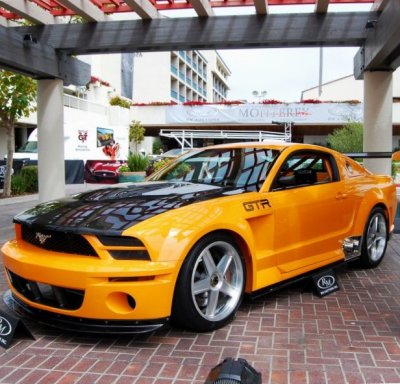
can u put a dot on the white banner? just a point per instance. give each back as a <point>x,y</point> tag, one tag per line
<point>322,113</point>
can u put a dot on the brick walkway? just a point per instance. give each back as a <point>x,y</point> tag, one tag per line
<point>292,336</point>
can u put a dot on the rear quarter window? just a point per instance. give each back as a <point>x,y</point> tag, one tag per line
<point>353,169</point>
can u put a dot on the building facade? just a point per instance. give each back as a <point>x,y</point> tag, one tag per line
<point>162,77</point>
<point>151,77</point>
<point>346,88</point>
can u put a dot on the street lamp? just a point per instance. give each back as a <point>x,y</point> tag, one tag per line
<point>259,94</point>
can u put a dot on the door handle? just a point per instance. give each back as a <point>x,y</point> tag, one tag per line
<point>341,196</point>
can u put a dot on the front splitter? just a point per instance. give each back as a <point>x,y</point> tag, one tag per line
<point>78,324</point>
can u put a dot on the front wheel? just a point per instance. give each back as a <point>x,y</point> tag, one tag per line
<point>211,284</point>
<point>375,239</point>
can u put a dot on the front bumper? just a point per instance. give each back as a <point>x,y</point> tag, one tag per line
<point>72,290</point>
<point>75,324</point>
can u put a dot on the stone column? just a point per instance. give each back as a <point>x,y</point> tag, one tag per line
<point>51,139</point>
<point>378,120</point>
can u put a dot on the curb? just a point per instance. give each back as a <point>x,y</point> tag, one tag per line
<point>70,189</point>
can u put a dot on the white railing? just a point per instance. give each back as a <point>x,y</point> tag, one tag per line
<point>84,105</point>
<point>185,137</point>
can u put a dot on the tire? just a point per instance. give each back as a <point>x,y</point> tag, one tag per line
<point>375,239</point>
<point>210,285</point>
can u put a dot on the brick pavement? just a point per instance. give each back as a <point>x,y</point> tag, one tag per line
<point>292,336</point>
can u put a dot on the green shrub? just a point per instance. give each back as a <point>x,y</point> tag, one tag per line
<point>17,184</point>
<point>119,101</point>
<point>123,168</point>
<point>395,168</point>
<point>158,146</point>
<point>137,162</point>
<point>30,175</point>
<point>157,165</point>
<point>347,139</point>
<point>25,181</point>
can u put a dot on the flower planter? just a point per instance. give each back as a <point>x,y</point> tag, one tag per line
<point>125,177</point>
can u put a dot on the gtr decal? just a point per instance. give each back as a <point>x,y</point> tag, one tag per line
<point>256,205</point>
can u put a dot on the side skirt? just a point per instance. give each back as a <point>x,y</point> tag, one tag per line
<point>272,288</point>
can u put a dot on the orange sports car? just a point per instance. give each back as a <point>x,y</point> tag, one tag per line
<point>190,241</point>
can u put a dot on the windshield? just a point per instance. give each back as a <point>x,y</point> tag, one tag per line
<point>29,146</point>
<point>244,168</point>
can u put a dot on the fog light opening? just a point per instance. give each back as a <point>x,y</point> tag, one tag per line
<point>120,302</point>
<point>131,301</point>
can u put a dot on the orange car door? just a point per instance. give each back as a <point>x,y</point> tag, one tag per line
<point>310,219</point>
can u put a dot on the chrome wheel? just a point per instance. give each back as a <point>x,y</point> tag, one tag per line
<point>217,281</point>
<point>210,286</point>
<point>376,237</point>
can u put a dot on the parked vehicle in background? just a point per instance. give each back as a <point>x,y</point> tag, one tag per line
<point>173,153</point>
<point>211,226</point>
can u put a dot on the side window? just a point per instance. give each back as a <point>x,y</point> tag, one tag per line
<point>306,168</point>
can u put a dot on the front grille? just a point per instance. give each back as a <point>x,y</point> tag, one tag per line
<point>105,173</point>
<point>58,241</point>
<point>49,295</point>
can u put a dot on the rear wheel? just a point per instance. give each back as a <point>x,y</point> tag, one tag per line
<point>211,284</point>
<point>375,239</point>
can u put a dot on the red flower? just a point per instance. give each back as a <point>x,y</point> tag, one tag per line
<point>270,101</point>
<point>94,79</point>
<point>311,101</point>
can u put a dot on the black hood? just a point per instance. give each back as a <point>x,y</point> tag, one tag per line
<point>112,210</point>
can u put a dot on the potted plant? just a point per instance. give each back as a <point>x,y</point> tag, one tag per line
<point>134,169</point>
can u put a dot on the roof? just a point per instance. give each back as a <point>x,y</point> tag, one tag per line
<point>47,11</point>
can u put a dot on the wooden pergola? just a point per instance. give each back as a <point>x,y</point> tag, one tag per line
<point>46,48</point>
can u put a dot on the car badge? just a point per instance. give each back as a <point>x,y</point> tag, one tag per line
<point>42,237</point>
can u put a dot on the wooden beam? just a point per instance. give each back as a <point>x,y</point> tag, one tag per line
<point>28,11</point>
<point>202,7</point>
<point>85,9</point>
<point>321,6</point>
<point>144,9</point>
<point>381,51</point>
<point>217,32</point>
<point>379,5</point>
<point>24,54</point>
<point>261,7</point>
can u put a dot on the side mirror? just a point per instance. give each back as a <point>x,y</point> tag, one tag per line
<point>287,181</point>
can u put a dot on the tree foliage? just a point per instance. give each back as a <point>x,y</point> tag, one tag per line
<point>17,96</point>
<point>348,139</point>
<point>158,146</point>
<point>136,133</point>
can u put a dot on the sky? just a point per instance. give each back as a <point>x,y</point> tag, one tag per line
<point>285,73</point>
